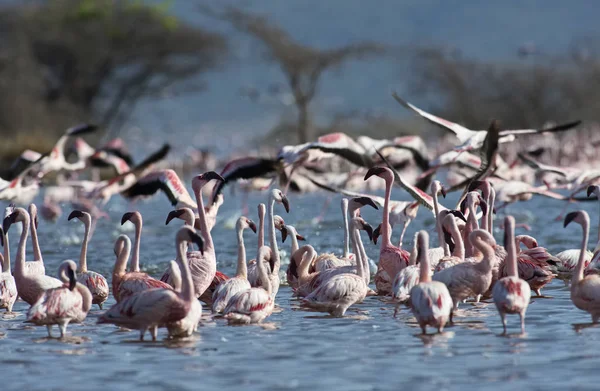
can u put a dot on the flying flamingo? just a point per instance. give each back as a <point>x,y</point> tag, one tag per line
<point>124,283</point>
<point>335,294</point>
<point>70,302</point>
<point>430,301</point>
<point>8,287</point>
<point>30,286</point>
<point>95,282</point>
<point>585,291</point>
<point>511,294</point>
<point>470,279</point>
<point>239,282</point>
<point>255,304</point>
<point>155,308</point>
<point>391,258</point>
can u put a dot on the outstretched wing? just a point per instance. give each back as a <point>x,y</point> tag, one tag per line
<point>166,180</point>
<point>552,129</point>
<point>245,168</point>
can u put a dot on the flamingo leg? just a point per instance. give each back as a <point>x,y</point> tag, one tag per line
<point>396,310</point>
<point>538,292</point>
<point>595,318</point>
<point>49,328</point>
<point>503,317</point>
<point>63,328</point>
<point>142,332</point>
<point>424,329</point>
<point>477,298</point>
<point>154,332</point>
<point>100,306</point>
<point>522,317</point>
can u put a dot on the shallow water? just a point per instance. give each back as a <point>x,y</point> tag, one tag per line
<point>296,349</point>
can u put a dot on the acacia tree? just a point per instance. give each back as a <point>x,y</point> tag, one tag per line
<point>68,61</point>
<point>302,65</point>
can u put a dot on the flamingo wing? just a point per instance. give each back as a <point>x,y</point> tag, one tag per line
<point>556,128</point>
<point>166,180</point>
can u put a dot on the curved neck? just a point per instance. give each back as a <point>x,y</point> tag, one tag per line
<point>187,285</point>
<point>84,245</point>
<point>86,295</point>
<point>6,263</point>
<point>242,268</point>
<point>487,251</point>
<point>459,245</point>
<point>261,260</point>
<point>305,261</point>
<point>121,262</point>
<point>272,237</point>
<point>135,257</point>
<point>386,230</point>
<point>293,238</point>
<point>37,253</point>
<point>20,259</point>
<point>366,271</point>
<point>578,273</point>
<point>490,215</point>
<point>205,231</point>
<point>346,228</point>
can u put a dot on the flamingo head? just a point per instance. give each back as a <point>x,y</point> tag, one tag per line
<point>18,215</point>
<point>79,215</point>
<point>358,202</point>
<point>360,223</point>
<point>290,230</point>
<point>244,222</point>
<point>580,217</point>
<point>484,186</point>
<point>482,236</point>
<point>67,274</point>
<point>376,234</point>
<point>382,172</point>
<point>33,214</point>
<point>200,180</point>
<point>121,243</point>
<point>475,199</point>
<point>189,234</point>
<point>278,196</point>
<point>279,223</point>
<point>593,189</point>
<point>436,188</point>
<point>134,217</point>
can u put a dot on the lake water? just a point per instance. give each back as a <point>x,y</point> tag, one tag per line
<point>367,350</point>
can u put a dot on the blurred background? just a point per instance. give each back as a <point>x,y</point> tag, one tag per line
<point>223,76</point>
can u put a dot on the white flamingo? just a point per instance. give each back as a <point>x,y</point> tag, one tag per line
<point>94,281</point>
<point>8,287</point>
<point>70,302</point>
<point>511,294</point>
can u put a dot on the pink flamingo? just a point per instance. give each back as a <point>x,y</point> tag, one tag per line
<point>189,324</point>
<point>335,294</point>
<point>450,227</point>
<point>391,258</point>
<point>37,265</point>
<point>255,304</point>
<point>155,308</point>
<point>8,287</point>
<point>407,278</point>
<point>70,302</point>
<point>127,284</point>
<point>292,269</point>
<point>95,282</point>
<point>470,279</point>
<point>430,301</point>
<point>239,282</point>
<point>585,291</point>
<point>511,294</point>
<point>30,286</point>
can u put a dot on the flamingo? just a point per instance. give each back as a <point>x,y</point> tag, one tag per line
<point>8,287</point>
<point>407,278</point>
<point>511,294</point>
<point>585,291</point>
<point>70,302</point>
<point>95,282</point>
<point>127,284</point>
<point>470,279</point>
<point>37,265</point>
<point>391,258</point>
<point>430,301</point>
<point>335,294</point>
<point>292,269</point>
<point>450,227</point>
<point>30,286</point>
<point>189,324</point>
<point>153,308</point>
<point>253,305</point>
<point>239,282</point>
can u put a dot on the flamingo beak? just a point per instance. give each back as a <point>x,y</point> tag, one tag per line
<point>590,190</point>
<point>1,237</point>
<point>126,217</point>
<point>374,171</point>
<point>174,214</point>
<point>300,237</point>
<point>459,214</point>
<point>72,279</point>
<point>568,218</point>
<point>484,207</point>
<point>251,225</point>
<point>36,221</point>
<point>376,234</point>
<point>284,233</point>
<point>75,214</point>
<point>286,203</point>
<point>365,201</point>
<point>449,241</point>
<point>8,221</point>
<point>197,239</point>
<point>210,175</point>
<point>463,206</point>
<point>367,227</point>
<point>443,191</point>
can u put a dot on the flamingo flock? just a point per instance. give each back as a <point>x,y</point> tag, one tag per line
<point>468,263</point>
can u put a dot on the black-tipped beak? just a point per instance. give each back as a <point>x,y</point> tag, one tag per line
<point>449,241</point>
<point>1,237</point>
<point>197,239</point>
<point>365,201</point>
<point>375,234</point>
<point>459,214</point>
<point>286,203</point>
<point>174,214</point>
<point>75,214</point>
<point>443,191</point>
<point>367,227</point>
<point>374,171</point>
<point>7,222</point>
<point>300,237</point>
<point>484,207</point>
<point>506,238</point>
<point>210,175</point>
<point>72,279</point>
<point>568,218</point>
<point>463,205</point>
<point>126,217</point>
<point>36,221</point>
<point>590,190</point>
<point>251,225</point>
<point>284,233</point>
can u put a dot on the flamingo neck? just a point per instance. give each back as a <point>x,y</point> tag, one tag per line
<point>205,232</point>
<point>6,262</point>
<point>135,257</point>
<point>86,297</point>
<point>424,270</point>
<point>459,245</point>
<point>404,227</point>
<point>438,225</point>
<point>471,226</point>
<point>242,268</point>
<point>121,262</point>
<point>187,285</point>
<point>37,253</point>
<point>490,215</point>
<point>386,230</point>
<point>363,260</point>
<point>261,228</point>
<point>20,259</point>
<point>261,260</point>
<point>578,273</point>
<point>511,249</point>
<point>294,239</point>
<point>346,229</point>
<point>84,245</point>
<point>305,261</point>
<point>272,237</point>
<point>488,254</point>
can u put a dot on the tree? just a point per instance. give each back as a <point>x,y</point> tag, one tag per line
<point>302,65</point>
<point>67,61</point>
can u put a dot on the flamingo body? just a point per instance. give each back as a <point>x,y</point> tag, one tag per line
<point>337,293</point>
<point>226,290</point>
<point>97,285</point>
<point>431,304</point>
<point>250,306</point>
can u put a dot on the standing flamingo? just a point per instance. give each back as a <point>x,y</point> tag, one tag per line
<point>184,327</point>
<point>37,265</point>
<point>127,284</point>
<point>255,304</point>
<point>407,278</point>
<point>95,282</point>
<point>239,282</point>
<point>391,258</point>
<point>511,294</point>
<point>155,308</point>
<point>292,269</point>
<point>430,301</point>
<point>585,291</point>
<point>8,287</point>
<point>30,286</point>
<point>70,302</point>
